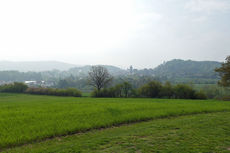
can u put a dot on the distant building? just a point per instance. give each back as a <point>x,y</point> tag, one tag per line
<point>131,69</point>
<point>39,83</point>
<point>5,82</point>
<point>31,83</point>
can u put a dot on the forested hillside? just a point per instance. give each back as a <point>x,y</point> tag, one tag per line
<point>175,71</point>
<point>187,70</point>
<point>83,71</point>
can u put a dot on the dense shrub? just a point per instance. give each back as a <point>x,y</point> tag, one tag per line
<point>151,89</point>
<point>101,93</point>
<point>182,91</point>
<point>226,98</point>
<point>56,92</point>
<point>155,89</point>
<point>120,90</point>
<point>200,95</point>
<point>18,87</point>
<point>126,89</point>
<point>167,91</point>
<point>15,87</point>
<point>214,91</point>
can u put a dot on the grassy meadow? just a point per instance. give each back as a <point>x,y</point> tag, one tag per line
<point>28,118</point>
<point>185,134</point>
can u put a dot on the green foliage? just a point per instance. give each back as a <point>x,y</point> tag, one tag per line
<point>117,89</point>
<point>55,92</point>
<point>29,118</point>
<point>64,83</point>
<point>226,98</point>
<point>224,72</point>
<point>167,91</point>
<point>155,89</point>
<point>126,88</point>
<point>16,87</point>
<point>103,93</point>
<point>213,91</point>
<point>120,90</point>
<point>151,89</point>
<point>200,95</point>
<point>184,92</point>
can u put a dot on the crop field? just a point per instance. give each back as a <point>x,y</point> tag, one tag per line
<point>26,119</point>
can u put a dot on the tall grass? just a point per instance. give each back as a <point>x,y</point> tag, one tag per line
<point>26,118</point>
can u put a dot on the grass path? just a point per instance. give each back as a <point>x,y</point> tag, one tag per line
<point>190,133</point>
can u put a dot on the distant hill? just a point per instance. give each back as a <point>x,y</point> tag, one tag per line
<point>40,66</point>
<point>176,71</point>
<point>187,69</point>
<point>52,71</point>
<point>83,70</point>
<point>36,66</point>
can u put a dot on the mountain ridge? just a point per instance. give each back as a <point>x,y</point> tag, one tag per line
<point>36,66</point>
<point>180,71</point>
<point>171,70</point>
<point>39,66</point>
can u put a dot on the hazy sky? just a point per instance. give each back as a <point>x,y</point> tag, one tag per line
<point>142,33</point>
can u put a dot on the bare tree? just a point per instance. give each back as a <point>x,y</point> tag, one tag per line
<point>99,77</point>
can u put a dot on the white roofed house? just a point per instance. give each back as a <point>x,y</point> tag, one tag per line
<point>39,83</point>
<point>31,83</point>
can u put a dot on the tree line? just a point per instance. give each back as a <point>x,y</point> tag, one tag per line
<point>153,89</point>
<point>100,78</point>
<point>18,87</point>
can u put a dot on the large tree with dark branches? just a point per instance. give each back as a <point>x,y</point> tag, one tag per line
<point>99,77</point>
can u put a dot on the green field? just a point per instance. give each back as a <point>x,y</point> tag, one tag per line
<point>187,134</point>
<point>86,94</point>
<point>28,119</point>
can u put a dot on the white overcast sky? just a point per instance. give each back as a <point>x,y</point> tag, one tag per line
<point>142,33</point>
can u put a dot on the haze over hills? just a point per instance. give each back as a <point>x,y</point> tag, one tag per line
<point>40,66</point>
<point>83,70</point>
<point>36,66</point>
<point>175,70</point>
